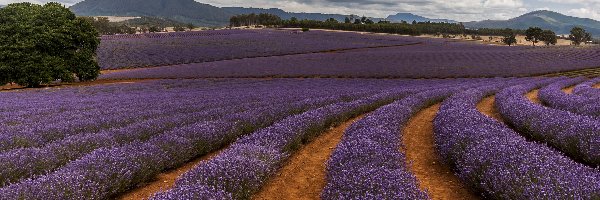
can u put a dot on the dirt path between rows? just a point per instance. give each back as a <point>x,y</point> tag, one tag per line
<point>488,108</point>
<point>165,180</point>
<point>303,177</point>
<point>433,175</point>
<point>533,96</point>
<point>569,90</point>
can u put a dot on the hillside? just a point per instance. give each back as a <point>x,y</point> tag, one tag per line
<point>285,15</point>
<point>409,17</point>
<point>187,11</point>
<point>559,23</point>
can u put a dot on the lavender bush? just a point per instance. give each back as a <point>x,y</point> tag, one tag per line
<point>495,160</point>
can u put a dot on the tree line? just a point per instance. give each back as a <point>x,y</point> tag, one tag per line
<point>364,24</point>
<point>548,37</point>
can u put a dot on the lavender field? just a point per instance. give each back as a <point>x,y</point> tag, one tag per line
<point>284,53</point>
<point>225,114</point>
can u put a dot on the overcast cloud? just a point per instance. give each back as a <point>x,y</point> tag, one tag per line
<point>462,10</point>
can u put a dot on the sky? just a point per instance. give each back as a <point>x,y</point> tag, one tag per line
<point>460,10</point>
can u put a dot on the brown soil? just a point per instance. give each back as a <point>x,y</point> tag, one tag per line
<point>488,108</point>
<point>533,96</point>
<point>96,82</point>
<point>597,86</point>
<point>303,177</point>
<point>433,175</point>
<point>569,90</point>
<point>164,181</point>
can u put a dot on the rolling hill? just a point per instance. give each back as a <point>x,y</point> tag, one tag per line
<point>285,15</point>
<point>187,11</point>
<point>409,17</point>
<point>559,23</point>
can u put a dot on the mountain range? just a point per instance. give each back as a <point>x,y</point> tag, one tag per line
<point>559,23</point>
<point>190,11</point>
<point>187,11</point>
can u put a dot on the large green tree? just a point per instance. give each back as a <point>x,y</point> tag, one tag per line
<point>549,37</point>
<point>40,44</point>
<point>579,35</point>
<point>509,37</point>
<point>534,34</point>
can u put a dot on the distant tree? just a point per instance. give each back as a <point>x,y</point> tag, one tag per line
<point>154,29</point>
<point>305,29</point>
<point>509,37</point>
<point>533,34</point>
<point>579,35</point>
<point>40,44</point>
<point>549,37</point>
<point>369,21</point>
<point>363,19</point>
<point>357,21</point>
<point>331,20</point>
<point>190,26</point>
<point>383,22</point>
<point>414,22</point>
<point>294,20</point>
<point>178,28</point>
<point>347,20</point>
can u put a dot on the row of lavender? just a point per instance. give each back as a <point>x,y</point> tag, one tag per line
<point>578,136</point>
<point>554,97</point>
<point>589,89</point>
<point>499,162</point>
<point>150,50</point>
<point>99,165</point>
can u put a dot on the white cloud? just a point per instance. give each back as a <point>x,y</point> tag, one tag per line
<point>584,12</point>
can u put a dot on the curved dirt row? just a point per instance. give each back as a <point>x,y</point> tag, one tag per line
<point>433,175</point>
<point>303,177</point>
<point>533,96</point>
<point>164,181</point>
<point>488,108</point>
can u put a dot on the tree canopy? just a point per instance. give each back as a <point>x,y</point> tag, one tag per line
<point>509,37</point>
<point>533,34</point>
<point>40,44</point>
<point>549,37</point>
<point>579,35</point>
